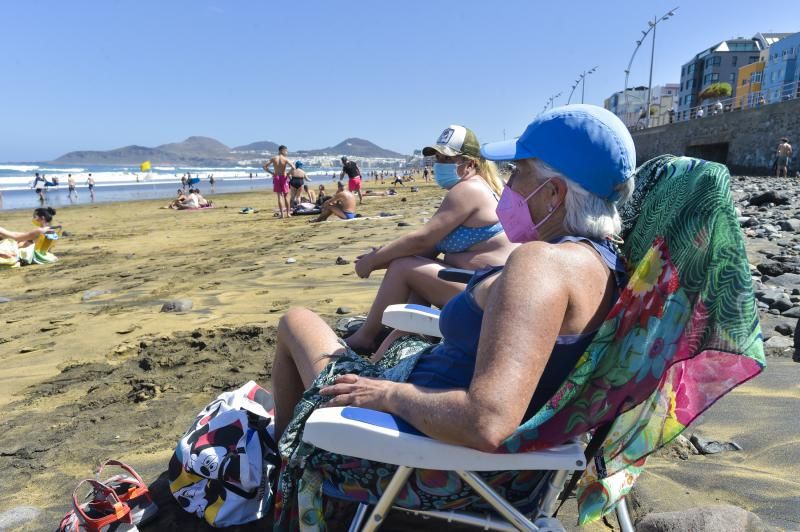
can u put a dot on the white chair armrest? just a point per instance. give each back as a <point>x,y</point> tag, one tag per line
<point>381,437</point>
<point>413,318</point>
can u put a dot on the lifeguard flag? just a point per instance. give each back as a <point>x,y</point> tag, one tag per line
<point>145,166</point>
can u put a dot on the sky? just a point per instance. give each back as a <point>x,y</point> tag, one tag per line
<point>103,74</point>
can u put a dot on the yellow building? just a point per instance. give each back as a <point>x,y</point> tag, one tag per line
<point>748,90</point>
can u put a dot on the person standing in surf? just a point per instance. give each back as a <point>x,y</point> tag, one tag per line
<point>280,179</point>
<point>90,183</point>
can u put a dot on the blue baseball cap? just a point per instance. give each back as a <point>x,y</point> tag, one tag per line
<point>298,164</point>
<point>588,144</point>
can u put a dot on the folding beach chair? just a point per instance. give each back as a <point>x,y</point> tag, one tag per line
<point>683,333</point>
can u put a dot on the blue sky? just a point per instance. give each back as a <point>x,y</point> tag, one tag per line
<point>109,73</point>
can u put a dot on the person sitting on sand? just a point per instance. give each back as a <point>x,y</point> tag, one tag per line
<point>181,197</point>
<point>11,241</point>
<point>515,334</point>
<point>465,229</point>
<point>321,196</point>
<point>309,195</point>
<point>381,193</point>
<point>342,204</point>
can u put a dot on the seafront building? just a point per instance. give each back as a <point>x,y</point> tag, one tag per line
<point>747,93</point>
<point>719,64</point>
<point>630,108</point>
<point>781,78</point>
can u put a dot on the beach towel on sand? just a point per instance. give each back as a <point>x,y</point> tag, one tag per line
<point>683,333</point>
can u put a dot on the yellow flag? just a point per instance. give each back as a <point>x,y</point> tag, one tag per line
<point>145,166</point>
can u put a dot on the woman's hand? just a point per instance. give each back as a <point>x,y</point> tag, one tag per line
<point>364,265</point>
<point>352,390</point>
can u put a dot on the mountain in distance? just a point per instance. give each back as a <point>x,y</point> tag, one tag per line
<point>260,146</point>
<point>356,147</point>
<point>202,147</point>
<point>205,151</point>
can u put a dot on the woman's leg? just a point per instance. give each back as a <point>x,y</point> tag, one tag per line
<point>404,277</point>
<point>305,346</point>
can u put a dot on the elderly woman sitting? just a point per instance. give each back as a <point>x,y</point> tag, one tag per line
<point>513,336</point>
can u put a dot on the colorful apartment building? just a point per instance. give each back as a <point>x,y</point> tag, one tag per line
<point>748,91</point>
<point>781,79</point>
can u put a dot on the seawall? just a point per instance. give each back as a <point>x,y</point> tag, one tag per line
<point>745,140</point>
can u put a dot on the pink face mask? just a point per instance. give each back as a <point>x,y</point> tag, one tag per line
<point>515,217</point>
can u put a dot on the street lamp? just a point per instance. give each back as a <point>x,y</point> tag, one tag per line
<point>550,101</point>
<point>651,25</point>
<point>581,78</point>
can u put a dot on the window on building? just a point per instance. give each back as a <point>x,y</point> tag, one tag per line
<point>732,78</point>
<point>753,59</point>
<point>735,60</point>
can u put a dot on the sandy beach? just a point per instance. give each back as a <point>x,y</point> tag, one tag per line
<point>92,369</point>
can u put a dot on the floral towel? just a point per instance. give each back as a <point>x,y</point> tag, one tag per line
<point>683,333</point>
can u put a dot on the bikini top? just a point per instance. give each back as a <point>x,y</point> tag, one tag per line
<point>462,238</point>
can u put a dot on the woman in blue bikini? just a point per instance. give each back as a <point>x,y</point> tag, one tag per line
<point>465,231</point>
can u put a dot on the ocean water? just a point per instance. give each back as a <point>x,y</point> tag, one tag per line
<point>127,183</point>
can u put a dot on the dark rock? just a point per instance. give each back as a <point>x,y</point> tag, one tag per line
<point>723,518</point>
<point>384,214</point>
<point>785,329</point>
<point>66,233</point>
<point>769,197</point>
<point>772,268</point>
<point>341,261</point>
<point>403,224</point>
<point>178,305</point>
<point>750,222</point>
<point>343,310</point>
<point>781,305</point>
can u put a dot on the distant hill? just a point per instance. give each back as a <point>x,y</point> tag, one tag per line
<point>203,147</point>
<point>260,146</point>
<point>210,152</point>
<point>356,147</point>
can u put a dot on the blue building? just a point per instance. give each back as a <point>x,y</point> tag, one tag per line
<point>781,79</point>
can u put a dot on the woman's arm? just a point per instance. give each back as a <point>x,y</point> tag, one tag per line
<point>21,237</point>
<point>458,205</point>
<point>523,315</point>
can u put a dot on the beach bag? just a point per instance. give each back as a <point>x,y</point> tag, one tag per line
<point>226,464</point>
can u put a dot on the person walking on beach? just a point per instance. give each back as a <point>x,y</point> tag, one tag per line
<point>353,177</point>
<point>184,180</point>
<point>71,188</point>
<point>342,204</point>
<point>90,182</point>
<point>784,156</point>
<point>211,182</point>
<point>280,179</point>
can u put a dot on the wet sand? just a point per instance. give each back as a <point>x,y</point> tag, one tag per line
<point>91,369</point>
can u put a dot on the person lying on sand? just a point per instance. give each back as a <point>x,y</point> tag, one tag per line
<point>342,204</point>
<point>373,193</point>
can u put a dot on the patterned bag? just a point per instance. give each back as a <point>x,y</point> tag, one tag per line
<point>224,467</point>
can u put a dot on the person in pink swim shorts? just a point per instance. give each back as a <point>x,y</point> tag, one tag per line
<point>280,181</point>
<point>353,176</point>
